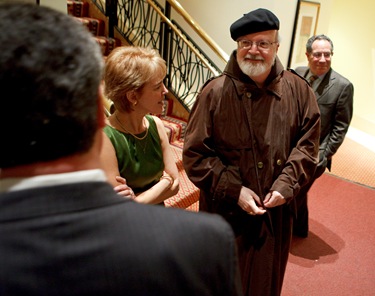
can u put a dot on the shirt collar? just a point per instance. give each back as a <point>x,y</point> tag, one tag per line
<point>13,184</point>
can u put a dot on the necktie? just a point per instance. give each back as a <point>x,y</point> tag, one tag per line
<point>312,79</point>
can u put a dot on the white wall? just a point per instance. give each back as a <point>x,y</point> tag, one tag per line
<point>352,25</point>
<point>60,5</point>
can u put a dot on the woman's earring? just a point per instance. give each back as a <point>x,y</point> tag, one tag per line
<point>135,103</point>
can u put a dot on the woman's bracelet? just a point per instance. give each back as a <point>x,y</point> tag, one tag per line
<point>169,178</point>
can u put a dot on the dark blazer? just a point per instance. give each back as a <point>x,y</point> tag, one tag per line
<point>83,239</point>
<point>335,99</point>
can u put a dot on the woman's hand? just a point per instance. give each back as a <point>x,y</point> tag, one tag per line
<point>123,189</point>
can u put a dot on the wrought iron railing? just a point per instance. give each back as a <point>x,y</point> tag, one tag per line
<point>147,23</point>
<point>187,72</point>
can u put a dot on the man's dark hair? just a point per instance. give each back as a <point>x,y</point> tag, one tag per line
<point>317,37</point>
<point>51,68</point>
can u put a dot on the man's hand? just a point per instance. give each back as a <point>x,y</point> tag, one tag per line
<point>250,202</point>
<point>274,199</point>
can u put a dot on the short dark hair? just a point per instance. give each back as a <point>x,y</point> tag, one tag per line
<point>51,69</point>
<point>317,37</point>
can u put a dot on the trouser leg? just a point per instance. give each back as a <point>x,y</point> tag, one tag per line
<point>301,221</point>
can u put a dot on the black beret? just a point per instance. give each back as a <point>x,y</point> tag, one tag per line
<point>255,21</point>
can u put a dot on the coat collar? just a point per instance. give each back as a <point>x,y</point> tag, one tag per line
<point>244,83</point>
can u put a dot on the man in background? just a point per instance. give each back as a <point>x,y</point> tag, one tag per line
<point>63,229</point>
<point>250,145</point>
<point>334,94</point>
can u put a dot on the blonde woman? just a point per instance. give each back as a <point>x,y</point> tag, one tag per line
<point>136,154</point>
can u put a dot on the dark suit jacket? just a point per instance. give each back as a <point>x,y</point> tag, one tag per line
<point>335,100</point>
<point>83,239</point>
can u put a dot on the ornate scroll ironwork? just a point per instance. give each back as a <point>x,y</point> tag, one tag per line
<point>139,23</point>
<point>187,72</point>
<point>100,4</point>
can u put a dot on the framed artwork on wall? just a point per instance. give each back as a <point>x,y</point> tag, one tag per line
<point>305,24</point>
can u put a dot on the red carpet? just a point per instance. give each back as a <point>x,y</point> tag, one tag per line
<point>338,257</point>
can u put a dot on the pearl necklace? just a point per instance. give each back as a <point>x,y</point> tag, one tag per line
<point>125,130</point>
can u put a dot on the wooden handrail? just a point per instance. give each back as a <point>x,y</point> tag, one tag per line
<point>211,43</point>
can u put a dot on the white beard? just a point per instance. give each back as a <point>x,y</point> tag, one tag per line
<point>257,69</point>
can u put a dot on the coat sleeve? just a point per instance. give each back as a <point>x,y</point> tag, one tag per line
<point>340,123</point>
<point>201,161</point>
<point>303,158</point>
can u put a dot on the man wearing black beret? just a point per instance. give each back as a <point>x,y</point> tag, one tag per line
<point>251,143</point>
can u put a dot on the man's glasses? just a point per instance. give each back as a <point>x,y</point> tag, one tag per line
<point>261,45</point>
<point>317,55</point>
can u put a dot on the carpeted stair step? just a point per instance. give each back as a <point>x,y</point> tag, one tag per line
<point>80,10</point>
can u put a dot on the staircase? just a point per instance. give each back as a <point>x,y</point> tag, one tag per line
<point>93,19</point>
<point>80,10</point>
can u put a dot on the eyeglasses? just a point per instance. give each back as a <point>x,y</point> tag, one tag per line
<point>261,45</point>
<point>317,55</point>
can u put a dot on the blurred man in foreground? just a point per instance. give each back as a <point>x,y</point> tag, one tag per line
<point>63,229</point>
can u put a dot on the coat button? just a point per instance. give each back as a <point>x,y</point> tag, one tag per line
<point>260,165</point>
<point>248,94</point>
<point>279,162</point>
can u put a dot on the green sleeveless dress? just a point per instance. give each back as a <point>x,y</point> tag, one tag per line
<point>140,161</point>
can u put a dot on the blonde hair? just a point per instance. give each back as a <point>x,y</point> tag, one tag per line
<point>129,68</point>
